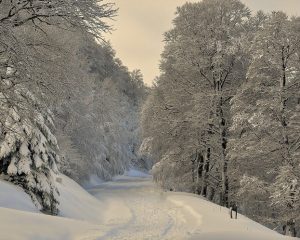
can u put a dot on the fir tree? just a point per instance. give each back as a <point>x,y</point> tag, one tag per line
<point>28,150</point>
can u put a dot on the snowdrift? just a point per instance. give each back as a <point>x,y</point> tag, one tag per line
<point>117,211</point>
<point>14,197</point>
<point>80,214</point>
<point>22,225</point>
<point>212,222</point>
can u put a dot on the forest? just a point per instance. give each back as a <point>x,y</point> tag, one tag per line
<point>67,103</point>
<point>222,120</point>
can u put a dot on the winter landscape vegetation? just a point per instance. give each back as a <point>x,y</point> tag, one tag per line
<point>89,152</point>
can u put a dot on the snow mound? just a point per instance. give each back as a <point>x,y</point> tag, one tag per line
<point>75,202</point>
<point>78,204</point>
<point>80,214</point>
<point>21,225</point>
<point>212,222</point>
<point>14,197</point>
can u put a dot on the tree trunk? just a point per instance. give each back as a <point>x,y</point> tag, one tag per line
<point>224,177</point>
<point>205,171</point>
<point>287,159</point>
<point>290,229</point>
<point>193,170</point>
<point>211,194</point>
<point>206,162</point>
<point>223,145</point>
<point>199,160</point>
<point>283,102</point>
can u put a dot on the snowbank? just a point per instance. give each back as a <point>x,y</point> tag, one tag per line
<point>80,214</point>
<point>212,222</point>
<point>21,225</point>
<point>14,197</point>
<point>130,207</point>
<point>76,203</point>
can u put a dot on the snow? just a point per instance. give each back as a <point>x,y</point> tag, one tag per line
<point>21,225</point>
<point>213,222</point>
<point>79,216</point>
<point>156,214</point>
<point>129,207</point>
<point>93,180</point>
<point>14,197</point>
<point>78,204</point>
<point>133,173</point>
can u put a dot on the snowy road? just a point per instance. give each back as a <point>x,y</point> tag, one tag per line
<point>135,209</point>
<point>128,208</point>
<point>148,212</point>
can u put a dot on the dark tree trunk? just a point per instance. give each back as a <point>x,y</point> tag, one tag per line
<point>290,229</point>
<point>205,172</point>
<point>224,161</point>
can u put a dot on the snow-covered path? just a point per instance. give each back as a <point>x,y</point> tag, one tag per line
<point>137,210</point>
<point>151,215</point>
<point>128,208</point>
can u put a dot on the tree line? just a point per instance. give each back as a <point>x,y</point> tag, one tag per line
<point>67,104</point>
<point>222,120</point>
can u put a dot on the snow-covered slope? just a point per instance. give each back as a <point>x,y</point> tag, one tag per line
<point>14,197</point>
<point>129,208</point>
<point>178,216</point>
<point>212,222</point>
<point>78,204</point>
<point>22,225</point>
<point>80,214</point>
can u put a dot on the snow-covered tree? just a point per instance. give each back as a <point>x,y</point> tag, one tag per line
<point>266,115</point>
<point>33,55</point>
<point>99,117</point>
<point>89,15</point>
<point>202,66</point>
<point>29,151</point>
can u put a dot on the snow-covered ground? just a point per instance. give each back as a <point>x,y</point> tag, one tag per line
<point>128,208</point>
<point>80,215</point>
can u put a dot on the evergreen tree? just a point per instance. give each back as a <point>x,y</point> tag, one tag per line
<point>29,151</point>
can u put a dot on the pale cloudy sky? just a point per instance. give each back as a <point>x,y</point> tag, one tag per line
<point>139,28</point>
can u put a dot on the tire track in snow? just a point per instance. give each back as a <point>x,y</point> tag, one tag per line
<point>153,217</point>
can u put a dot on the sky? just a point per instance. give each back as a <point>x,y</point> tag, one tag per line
<point>140,24</point>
